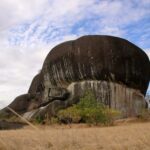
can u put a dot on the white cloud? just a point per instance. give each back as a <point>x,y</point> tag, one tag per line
<point>16,11</point>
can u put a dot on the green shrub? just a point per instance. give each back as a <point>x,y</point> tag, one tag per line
<point>54,120</point>
<point>39,119</point>
<point>89,101</point>
<point>70,115</point>
<point>88,110</point>
<point>111,115</point>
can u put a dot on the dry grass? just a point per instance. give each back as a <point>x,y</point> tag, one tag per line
<point>131,136</point>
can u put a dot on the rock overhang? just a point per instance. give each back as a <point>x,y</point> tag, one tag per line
<point>99,58</point>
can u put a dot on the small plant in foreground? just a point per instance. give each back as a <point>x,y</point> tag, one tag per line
<point>39,119</point>
<point>70,115</point>
<point>88,110</point>
<point>54,120</point>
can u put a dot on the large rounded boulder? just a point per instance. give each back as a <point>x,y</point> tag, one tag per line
<point>114,69</point>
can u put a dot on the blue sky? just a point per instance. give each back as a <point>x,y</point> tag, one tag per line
<point>30,28</point>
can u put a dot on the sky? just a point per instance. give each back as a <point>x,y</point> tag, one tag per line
<point>29,29</point>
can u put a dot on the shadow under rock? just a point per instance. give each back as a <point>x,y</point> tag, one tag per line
<point>6,125</point>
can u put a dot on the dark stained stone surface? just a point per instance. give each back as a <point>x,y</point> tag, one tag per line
<point>99,58</point>
<point>21,103</point>
<point>36,84</point>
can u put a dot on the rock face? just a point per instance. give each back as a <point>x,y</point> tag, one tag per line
<point>117,71</point>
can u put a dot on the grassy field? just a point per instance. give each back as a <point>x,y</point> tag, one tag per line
<point>130,136</point>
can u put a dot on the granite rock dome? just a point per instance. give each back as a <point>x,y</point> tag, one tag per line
<point>117,71</point>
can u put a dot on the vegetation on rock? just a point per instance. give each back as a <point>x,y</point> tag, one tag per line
<point>88,110</point>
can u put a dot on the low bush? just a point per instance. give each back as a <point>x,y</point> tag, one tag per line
<point>39,120</point>
<point>88,110</point>
<point>70,115</point>
<point>54,120</point>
